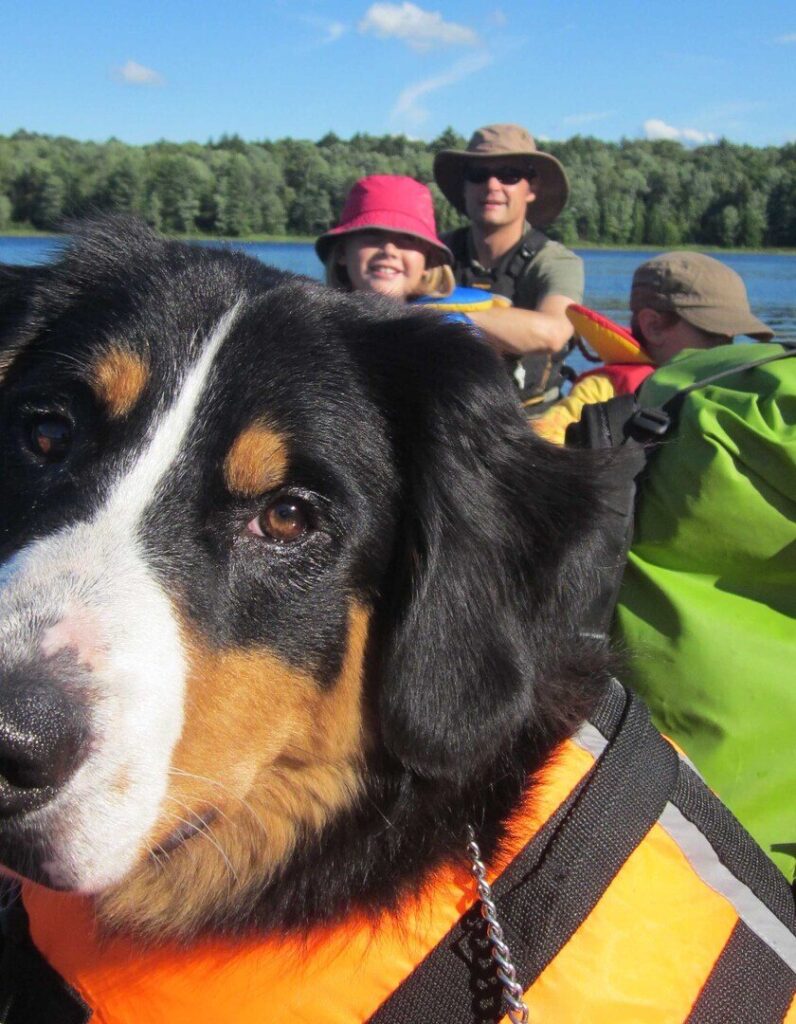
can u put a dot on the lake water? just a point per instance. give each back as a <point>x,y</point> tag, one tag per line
<point>770,279</point>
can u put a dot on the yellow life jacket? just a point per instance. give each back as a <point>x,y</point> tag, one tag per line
<point>464,300</point>
<point>672,937</point>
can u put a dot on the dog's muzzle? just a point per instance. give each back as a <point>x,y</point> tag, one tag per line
<point>44,735</point>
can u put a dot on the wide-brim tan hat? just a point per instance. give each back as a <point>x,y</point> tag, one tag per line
<point>701,290</point>
<point>505,140</point>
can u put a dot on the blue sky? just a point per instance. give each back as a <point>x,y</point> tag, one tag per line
<point>142,70</point>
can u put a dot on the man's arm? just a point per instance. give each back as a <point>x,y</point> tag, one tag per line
<point>513,331</point>
<point>537,321</point>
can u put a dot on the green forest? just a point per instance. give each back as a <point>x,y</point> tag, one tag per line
<point>631,192</point>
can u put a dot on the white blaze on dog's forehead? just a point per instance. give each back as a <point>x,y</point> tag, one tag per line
<point>89,587</point>
<point>134,492</point>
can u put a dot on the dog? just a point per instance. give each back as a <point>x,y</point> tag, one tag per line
<point>291,624</point>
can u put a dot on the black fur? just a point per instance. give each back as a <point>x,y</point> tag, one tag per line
<point>476,545</point>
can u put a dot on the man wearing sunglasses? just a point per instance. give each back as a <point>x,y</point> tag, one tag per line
<point>505,184</point>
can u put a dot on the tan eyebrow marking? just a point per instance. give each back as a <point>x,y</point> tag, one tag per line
<point>256,462</point>
<point>118,379</point>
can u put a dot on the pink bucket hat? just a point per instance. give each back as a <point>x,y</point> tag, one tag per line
<point>387,202</point>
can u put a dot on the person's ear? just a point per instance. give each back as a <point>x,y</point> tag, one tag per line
<point>652,326</point>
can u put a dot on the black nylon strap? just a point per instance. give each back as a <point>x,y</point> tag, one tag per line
<point>462,986</point>
<point>542,372</point>
<point>732,370</point>
<point>503,278</point>
<point>733,845</point>
<point>663,417</point>
<point>32,992</point>
<point>551,886</point>
<point>749,983</point>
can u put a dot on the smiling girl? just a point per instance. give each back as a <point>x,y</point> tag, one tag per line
<point>386,242</point>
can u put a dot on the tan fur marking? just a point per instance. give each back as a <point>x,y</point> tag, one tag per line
<point>118,379</point>
<point>256,462</point>
<point>121,783</point>
<point>271,754</point>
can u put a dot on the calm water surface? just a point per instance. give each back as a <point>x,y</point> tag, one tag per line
<point>770,279</point>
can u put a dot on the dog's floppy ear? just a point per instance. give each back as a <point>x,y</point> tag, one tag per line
<point>496,559</point>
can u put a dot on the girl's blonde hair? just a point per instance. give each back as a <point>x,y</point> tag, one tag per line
<point>437,281</point>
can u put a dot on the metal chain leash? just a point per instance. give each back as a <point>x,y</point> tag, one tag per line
<point>507,975</point>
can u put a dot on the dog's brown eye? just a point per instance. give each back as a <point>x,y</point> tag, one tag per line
<point>51,437</point>
<point>286,520</point>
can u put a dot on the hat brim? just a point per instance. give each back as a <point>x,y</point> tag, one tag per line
<point>449,167</point>
<point>391,223</point>
<point>724,320</point>
<point>611,342</point>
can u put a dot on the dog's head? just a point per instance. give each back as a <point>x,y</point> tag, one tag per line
<point>256,539</point>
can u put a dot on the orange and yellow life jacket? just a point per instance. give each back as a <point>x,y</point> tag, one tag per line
<point>686,921</point>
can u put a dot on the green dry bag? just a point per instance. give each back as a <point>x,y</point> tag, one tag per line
<point>707,607</point>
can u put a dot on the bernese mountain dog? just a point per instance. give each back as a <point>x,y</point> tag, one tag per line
<point>291,603</point>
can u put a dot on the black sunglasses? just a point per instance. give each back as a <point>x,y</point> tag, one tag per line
<point>478,175</point>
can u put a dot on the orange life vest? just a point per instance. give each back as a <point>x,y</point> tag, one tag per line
<point>668,921</point>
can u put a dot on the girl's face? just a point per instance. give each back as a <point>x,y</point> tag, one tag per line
<point>383,262</point>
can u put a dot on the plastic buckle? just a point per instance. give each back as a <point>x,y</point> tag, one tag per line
<point>652,421</point>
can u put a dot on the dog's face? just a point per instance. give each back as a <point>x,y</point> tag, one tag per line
<point>249,532</point>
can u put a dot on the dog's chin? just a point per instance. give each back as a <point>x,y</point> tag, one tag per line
<point>27,854</point>
<point>199,875</point>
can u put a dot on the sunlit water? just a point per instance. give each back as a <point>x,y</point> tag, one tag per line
<point>770,279</point>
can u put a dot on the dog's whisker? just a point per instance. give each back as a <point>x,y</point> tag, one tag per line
<point>205,830</point>
<point>217,811</point>
<point>313,759</point>
<point>174,770</point>
<point>160,854</point>
<point>241,800</point>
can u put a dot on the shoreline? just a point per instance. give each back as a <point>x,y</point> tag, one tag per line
<point>22,232</point>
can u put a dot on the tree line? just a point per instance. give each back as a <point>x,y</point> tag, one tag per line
<point>631,192</point>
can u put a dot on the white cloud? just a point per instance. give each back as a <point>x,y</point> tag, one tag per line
<point>498,18</point>
<point>657,129</point>
<point>136,74</point>
<point>422,30</point>
<point>789,37</point>
<point>330,31</point>
<point>333,31</point>
<point>407,107</point>
<point>575,119</point>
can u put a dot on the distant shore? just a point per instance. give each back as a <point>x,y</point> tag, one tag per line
<point>16,231</point>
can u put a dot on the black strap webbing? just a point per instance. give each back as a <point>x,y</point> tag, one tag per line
<point>670,410</point>
<point>31,991</point>
<point>551,886</point>
<point>503,278</point>
<point>749,983</point>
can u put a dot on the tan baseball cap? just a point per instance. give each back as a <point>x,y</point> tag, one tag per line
<point>505,140</point>
<point>704,292</point>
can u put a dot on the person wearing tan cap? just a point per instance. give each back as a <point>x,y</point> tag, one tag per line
<point>678,301</point>
<point>505,185</point>
<point>689,300</point>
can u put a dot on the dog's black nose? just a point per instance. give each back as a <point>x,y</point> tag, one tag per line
<point>43,740</point>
